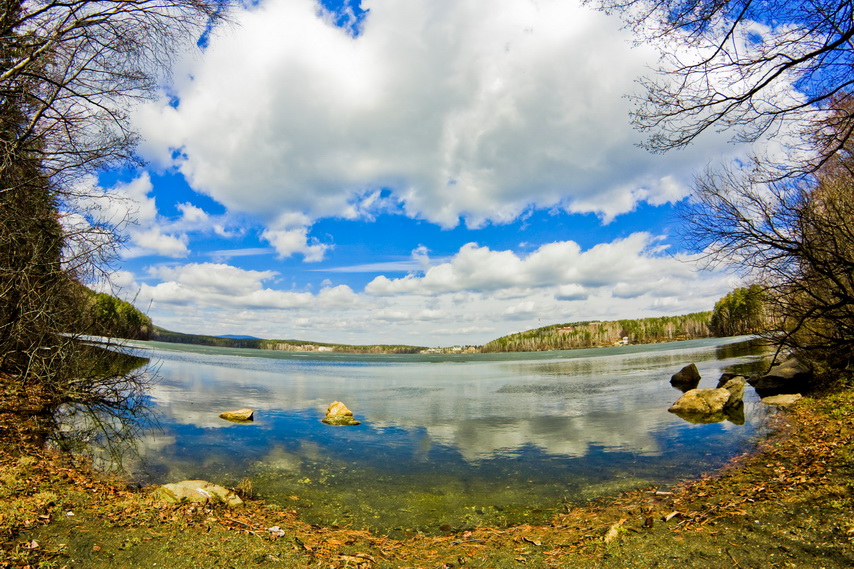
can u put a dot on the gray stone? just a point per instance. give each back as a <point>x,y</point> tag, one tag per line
<point>200,491</point>
<point>686,378</point>
<point>790,376</point>
<point>701,402</point>
<point>785,400</point>
<point>735,386</point>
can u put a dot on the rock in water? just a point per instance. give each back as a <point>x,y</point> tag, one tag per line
<point>713,405</point>
<point>725,377</point>
<point>686,378</point>
<point>791,376</point>
<point>197,491</point>
<point>701,402</point>
<point>239,416</point>
<point>337,414</point>
<point>735,386</point>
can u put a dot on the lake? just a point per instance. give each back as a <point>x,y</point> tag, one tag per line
<point>446,440</point>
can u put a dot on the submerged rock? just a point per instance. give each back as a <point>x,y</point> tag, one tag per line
<point>337,414</point>
<point>197,491</point>
<point>701,418</point>
<point>735,413</point>
<point>238,416</point>
<point>686,378</point>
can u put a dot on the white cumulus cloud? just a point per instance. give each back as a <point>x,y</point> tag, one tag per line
<point>129,207</point>
<point>635,262</point>
<point>460,109</point>
<point>218,286</point>
<point>475,296</point>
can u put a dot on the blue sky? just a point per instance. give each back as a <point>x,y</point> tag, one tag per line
<point>429,172</point>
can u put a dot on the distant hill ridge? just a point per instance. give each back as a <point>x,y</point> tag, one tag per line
<point>237,337</point>
<point>233,341</point>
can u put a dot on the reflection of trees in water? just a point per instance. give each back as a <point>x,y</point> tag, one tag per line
<point>592,367</point>
<point>739,349</point>
<point>99,416</point>
<point>756,346</point>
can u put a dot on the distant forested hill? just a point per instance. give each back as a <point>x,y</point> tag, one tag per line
<point>591,334</point>
<point>163,335</point>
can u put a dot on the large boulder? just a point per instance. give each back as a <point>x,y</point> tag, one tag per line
<point>338,415</point>
<point>735,386</point>
<point>686,378</point>
<point>713,405</point>
<point>790,376</point>
<point>701,402</point>
<point>197,491</point>
<point>238,416</point>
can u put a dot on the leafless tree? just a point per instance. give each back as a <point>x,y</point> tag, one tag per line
<point>795,238</point>
<point>72,70</point>
<point>773,71</point>
<point>70,74</point>
<point>754,68</point>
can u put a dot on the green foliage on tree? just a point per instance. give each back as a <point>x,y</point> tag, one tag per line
<point>113,317</point>
<point>740,312</point>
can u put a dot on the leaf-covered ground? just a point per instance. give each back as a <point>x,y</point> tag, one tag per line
<point>789,505</point>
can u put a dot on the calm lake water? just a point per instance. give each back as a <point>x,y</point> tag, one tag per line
<point>456,440</point>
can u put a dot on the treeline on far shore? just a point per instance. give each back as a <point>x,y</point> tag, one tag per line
<point>742,311</point>
<point>592,334</point>
<point>163,335</point>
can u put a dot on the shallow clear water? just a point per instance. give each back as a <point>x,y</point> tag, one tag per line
<point>454,441</point>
